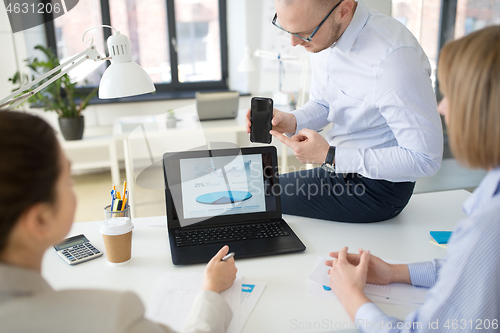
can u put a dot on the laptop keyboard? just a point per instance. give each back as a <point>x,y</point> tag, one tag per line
<point>229,234</point>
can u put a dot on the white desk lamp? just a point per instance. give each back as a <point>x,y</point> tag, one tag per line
<point>248,65</point>
<point>123,78</point>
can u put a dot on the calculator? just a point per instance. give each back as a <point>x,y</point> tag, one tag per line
<point>77,249</point>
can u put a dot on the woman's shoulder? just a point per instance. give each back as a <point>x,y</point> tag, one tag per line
<point>487,218</point>
<point>482,228</point>
<point>90,310</point>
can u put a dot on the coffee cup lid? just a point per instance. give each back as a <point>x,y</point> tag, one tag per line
<point>116,226</point>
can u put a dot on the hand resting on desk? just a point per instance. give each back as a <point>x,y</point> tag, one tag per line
<point>379,272</point>
<point>349,274</point>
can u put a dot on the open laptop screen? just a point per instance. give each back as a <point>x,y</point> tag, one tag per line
<point>221,186</point>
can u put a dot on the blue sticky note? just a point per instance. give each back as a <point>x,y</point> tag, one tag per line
<point>441,237</point>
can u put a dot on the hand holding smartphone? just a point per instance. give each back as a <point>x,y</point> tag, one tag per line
<point>261,116</point>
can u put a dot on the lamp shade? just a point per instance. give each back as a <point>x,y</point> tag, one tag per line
<point>124,77</point>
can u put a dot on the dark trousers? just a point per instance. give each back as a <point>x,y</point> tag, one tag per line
<point>319,194</point>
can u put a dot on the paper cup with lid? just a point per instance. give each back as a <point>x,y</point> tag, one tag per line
<point>117,236</point>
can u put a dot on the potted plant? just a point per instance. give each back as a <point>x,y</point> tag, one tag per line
<point>171,120</point>
<point>61,96</point>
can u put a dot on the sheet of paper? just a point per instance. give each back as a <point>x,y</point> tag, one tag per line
<point>173,299</point>
<point>393,292</point>
<point>398,291</point>
<point>250,294</point>
<point>174,296</point>
<point>317,290</point>
<point>232,297</point>
<point>320,272</point>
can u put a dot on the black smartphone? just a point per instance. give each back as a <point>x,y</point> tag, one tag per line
<point>261,115</point>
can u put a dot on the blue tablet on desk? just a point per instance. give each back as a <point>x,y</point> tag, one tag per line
<point>441,237</point>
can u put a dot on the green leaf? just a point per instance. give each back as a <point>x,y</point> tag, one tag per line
<point>60,95</point>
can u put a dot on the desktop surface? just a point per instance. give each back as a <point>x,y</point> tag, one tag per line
<point>285,305</point>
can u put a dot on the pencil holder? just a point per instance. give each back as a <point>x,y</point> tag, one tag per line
<point>109,214</point>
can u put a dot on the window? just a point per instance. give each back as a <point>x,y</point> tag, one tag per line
<point>198,40</point>
<point>434,23</point>
<point>473,15</point>
<point>69,29</point>
<point>144,22</point>
<point>181,44</point>
<point>421,17</point>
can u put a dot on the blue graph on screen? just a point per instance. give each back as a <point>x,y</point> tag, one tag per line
<point>223,197</point>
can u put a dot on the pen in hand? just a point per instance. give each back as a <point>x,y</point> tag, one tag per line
<point>229,255</point>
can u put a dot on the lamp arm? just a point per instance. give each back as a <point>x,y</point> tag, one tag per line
<point>12,101</point>
<point>45,84</point>
<point>274,56</point>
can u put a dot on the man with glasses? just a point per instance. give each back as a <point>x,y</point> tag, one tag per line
<point>371,81</point>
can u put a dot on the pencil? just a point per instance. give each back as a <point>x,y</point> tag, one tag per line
<point>125,199</point>
<point>124,188</point>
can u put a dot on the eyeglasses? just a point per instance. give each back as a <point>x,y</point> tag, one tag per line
<point>306,39</point>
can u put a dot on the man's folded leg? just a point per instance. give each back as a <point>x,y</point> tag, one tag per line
<point>319,194</point>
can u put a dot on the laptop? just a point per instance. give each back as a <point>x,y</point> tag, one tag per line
<point>223,197</point>
<point>217,105</point>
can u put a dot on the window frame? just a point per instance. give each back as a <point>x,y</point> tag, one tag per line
<point>447,21</point>
<point>174,89</point>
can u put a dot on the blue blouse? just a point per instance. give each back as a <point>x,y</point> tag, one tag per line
<point>465,285</point>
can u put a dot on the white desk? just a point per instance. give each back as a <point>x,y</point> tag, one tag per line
<point>285,300</point>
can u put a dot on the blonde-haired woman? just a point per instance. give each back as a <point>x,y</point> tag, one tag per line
<point>465,285</point>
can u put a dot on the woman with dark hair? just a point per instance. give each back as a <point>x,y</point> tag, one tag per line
<point>37,205</point>
<point>465,285</point>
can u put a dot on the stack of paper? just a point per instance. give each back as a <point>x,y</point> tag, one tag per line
<point>394,293</point>
<point>175,294</point>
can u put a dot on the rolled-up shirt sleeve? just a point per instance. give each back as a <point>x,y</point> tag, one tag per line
<point>425,274</point>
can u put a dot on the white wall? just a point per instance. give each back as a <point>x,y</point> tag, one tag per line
<point>384,6</point>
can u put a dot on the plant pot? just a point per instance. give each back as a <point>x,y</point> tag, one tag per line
<point>72,128</point>
<point>171,122</point>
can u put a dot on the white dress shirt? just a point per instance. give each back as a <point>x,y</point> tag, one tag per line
<point>465,294</point>
<point>374,86</point>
